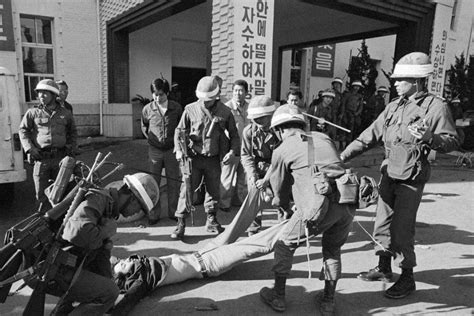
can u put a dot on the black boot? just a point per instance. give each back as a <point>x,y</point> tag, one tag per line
<point>275,297</point>
<point>382,272</point>
<point>327,303</point>
<point>404,286</point>
<point>213,225</point>
<point>179,230</point>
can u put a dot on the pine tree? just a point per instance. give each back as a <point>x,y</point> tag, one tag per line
<point>458,78</point>
<point>362,68</point>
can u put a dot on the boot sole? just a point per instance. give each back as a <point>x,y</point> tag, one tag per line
<point>383,279</point>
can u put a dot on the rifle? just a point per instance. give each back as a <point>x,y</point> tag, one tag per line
<point>186,167</point>
<point>38,239</point>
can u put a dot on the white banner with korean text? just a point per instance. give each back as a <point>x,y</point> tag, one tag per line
<point>253,45</point>
<point>441,27</point>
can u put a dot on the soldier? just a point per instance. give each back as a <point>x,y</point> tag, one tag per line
<point>410,126</point>
<point>233,182</point>
<point>89,229</point>
<point>323,110</point>
<point>258,144</point>
<point>159,121</point>
<point>205,121</point>
<point>306,159</point>
<point>47,134</point>
<point>352,105</point>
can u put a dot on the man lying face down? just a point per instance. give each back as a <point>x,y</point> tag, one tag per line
<point>139,275</point>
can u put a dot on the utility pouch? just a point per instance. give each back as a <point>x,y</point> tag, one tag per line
<point>403,160</point>
<point>321,182</point>
<point>348,187</point>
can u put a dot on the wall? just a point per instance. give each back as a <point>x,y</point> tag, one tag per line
<point>175,41</point>
<point>461,36</point>
<point>76,53</point>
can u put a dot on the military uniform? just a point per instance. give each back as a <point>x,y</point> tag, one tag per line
<point>319,213</point>
<point>54,134</point>
<point>206,152</point>
<point>400,197</point>
<point>352,104</point>
<point>325,112</point>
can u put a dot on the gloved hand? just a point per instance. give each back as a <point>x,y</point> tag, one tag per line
<point>34,154</point>
<point>108,227</point>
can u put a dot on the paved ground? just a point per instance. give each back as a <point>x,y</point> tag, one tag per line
<point>445,272</point>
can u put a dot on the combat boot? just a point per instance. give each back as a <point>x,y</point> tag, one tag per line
<point>179,230</point>
<point>212,224</point>
<point>275,297</point>
<point>382,272</point>
<point>326,300</point>
<point>404,286</point>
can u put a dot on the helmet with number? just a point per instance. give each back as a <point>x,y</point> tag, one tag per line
<point>47,85</point>
<point>287,114</point>
<point>260,106</point>
<point>328,93</point>
<point>145,188</point>
<point>413,65</point>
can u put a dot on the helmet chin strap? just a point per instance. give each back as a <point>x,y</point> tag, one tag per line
<point>126,203</point>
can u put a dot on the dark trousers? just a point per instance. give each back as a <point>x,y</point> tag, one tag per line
<point>395,220</point>
<point>44,170</point>
<point>335,227</point>
<point>160,159</point>
<point>208,168</point>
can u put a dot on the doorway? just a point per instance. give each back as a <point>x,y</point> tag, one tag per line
<point>187,80</point>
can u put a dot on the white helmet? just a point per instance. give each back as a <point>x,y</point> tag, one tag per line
<point>47,85</point>
<point>259,106</point>
<point>287,114</point>
<point>145,188</point>
<point>413,65</point>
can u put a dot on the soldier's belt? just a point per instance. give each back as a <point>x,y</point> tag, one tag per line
<point>203,271</point>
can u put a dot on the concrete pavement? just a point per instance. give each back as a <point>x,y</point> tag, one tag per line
<point>445,272</point>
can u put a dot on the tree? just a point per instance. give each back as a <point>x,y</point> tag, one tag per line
<point>362,67</point>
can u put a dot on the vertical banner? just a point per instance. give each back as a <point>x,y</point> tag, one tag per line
<point>323,61</point>
<point>6,26</point>
<point>441,26</point>
<point>253,45</point>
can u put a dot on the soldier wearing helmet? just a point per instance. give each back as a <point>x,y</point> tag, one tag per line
<point>213,137</point>
<point>90,229</point>
<point>258,143</point>
<point>310,163</point>
<point>410,126</point>
<point>47,134</point>
<point>352,106</point>
<point>323,109</point>
<point>374,106</point>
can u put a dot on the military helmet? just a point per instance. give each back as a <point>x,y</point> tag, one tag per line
<point>47,85</point>
<point>328,93</point>
<point>145,188</point>
<point>207,88</point>
<point>382,89</point>
<point>287,114</point>
<point>357,83</point>
<point>413,65</point>
<point>338,80</point>
<point>260,106</point>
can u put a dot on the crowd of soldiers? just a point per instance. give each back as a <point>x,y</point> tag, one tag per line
<point>239,147</point>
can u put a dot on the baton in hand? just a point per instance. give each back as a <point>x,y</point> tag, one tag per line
<point>327,122</point>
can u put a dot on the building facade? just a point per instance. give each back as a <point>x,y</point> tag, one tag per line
<point>110,50</point>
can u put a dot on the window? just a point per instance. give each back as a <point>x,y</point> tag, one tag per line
<point>453,15</point>
<point>37,51</point>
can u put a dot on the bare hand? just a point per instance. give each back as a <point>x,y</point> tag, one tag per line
<point>179,155</point>
<point>421,132</point>
<point>261,184</point>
